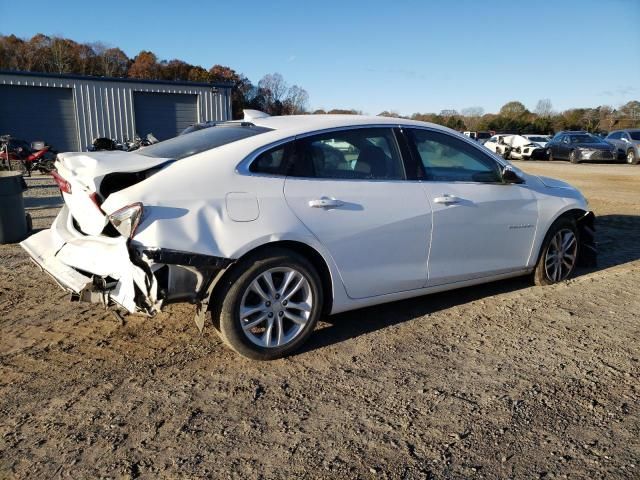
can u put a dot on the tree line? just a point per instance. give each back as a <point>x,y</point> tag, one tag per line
<point>514,117</point>
<point>273,95</point>
<point>42,53</point>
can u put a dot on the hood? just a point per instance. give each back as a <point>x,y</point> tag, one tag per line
<point>593,146</point>
<point>90,167</point>
<point>554,183</point>
<point>540,144</point>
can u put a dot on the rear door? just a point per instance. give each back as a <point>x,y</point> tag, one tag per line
<point>349,189</point>
<point>481,226</point>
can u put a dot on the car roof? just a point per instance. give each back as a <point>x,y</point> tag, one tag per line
<point>298,124</point>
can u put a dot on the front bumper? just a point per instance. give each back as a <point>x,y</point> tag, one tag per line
<point>599,156</point>
<point>93,267</point>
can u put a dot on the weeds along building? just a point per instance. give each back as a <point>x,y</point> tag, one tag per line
<point>69,111</point>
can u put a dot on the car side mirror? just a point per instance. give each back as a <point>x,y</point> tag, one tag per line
<point>624,139</point>
<point>510,176</point>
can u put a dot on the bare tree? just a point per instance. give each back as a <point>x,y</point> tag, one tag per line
<point>274,87</point>
<point>296,99</point>
<point>472,117</point>
<point>544,107</point>
<point>61,55</point>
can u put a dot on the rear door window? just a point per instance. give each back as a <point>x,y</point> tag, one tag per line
<point>360,154</point>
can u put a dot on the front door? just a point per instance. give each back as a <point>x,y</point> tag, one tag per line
<point>348,187</point>
<point>481,226</point>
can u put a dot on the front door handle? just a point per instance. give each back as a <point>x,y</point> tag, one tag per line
<point>326,203</point>
<point>446,199</point>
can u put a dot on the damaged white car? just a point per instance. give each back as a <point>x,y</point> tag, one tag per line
<point>271,223</point>
<point>527,147</point>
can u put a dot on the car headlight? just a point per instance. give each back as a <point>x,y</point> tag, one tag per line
<point>587,153</point>
<point>127,219</point>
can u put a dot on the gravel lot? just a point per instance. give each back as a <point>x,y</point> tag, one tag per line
<point>505,380</point>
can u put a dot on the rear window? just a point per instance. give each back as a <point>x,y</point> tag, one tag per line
<point>200,141</point>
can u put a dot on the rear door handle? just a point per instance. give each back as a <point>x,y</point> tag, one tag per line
<point>446,199</point>
<point>325,202</point>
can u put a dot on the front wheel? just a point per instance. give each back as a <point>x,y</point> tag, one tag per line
<point>632,157</point>
<point>574,156</point>
<point>269,304</point>
<point>550,155</point>
<point>559,254</point>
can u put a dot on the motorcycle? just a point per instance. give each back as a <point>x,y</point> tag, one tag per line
<point>108,144</point>
<point>28,157</point>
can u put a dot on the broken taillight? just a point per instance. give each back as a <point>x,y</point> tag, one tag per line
<point>63,185</point>
<point>127,219</point>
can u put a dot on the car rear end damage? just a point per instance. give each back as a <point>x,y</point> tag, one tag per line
<point>91,253</point>
<point>114,272</point>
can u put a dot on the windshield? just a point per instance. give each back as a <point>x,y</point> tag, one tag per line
<point>200,141</point>
<point>635,135</point>
<point>538,139</point>
<point>584,139</point>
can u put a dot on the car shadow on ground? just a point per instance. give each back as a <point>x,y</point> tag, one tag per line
<point>36,203</point>
<point>616,236</point>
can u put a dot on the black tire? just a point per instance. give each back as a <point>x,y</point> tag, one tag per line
<point>574,156</point>
<point>506,155</point>
<point>227,298</point>
<point>541,275</point>
<point>632,157</point>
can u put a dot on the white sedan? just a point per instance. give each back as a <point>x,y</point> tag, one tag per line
<point>269,224</point>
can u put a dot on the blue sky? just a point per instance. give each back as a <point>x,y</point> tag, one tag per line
<point>408,56</point>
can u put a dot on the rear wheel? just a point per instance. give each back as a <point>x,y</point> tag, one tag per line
<point>632,157</point>
<point>559,254</point>
<point>269,304</point>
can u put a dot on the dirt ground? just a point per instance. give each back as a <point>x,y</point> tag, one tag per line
<point>505,380</point>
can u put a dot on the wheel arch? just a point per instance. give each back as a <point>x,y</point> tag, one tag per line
<point>585,222</point>
<point>311,254</point>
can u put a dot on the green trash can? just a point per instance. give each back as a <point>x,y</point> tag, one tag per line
<point>14,223</point>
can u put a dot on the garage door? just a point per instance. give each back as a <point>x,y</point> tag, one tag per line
<point>39,113</point>
<point>164,114</point>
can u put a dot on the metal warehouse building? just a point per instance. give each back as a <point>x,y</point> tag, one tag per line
<point>69,111</point>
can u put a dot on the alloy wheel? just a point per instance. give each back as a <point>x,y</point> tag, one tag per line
<point>561,255</point>
<point>630,157</point>
<point>276,307</point>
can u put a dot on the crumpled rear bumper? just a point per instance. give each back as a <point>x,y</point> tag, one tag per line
<point>94,267</point>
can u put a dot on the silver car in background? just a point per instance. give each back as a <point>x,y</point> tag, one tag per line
<point>627,143</point>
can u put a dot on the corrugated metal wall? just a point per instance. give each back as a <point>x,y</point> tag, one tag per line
<point>106,107</point>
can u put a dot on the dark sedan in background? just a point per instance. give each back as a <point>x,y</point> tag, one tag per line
<point>580,147</point>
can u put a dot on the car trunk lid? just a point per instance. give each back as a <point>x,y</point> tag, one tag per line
<point>84,172</point>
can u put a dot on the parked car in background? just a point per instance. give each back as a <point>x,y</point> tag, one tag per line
<point>499,145</point>
<point>482,137</point>
<point>579,147</point>
<point>538,139</point>
<point>473,135</point>
<point>270,224</point>
<point>627,143</point>
<point>525,148</point>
